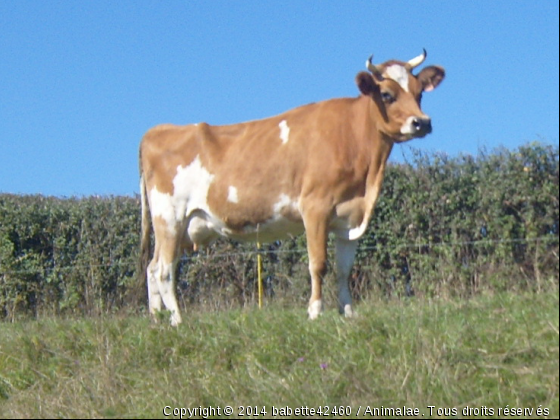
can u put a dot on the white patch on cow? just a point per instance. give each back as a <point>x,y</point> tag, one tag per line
<point>399,74</point>
<point>284,131</point>
<point>161,205</point>
<point>190,188</point>
<point>358,231</point>
<point>166,285</point>
<point>190,185</point>
<point>154,298</point>
<point>314,309</point>
<point>284,201</point>
<point>232,195</point>
<point>345,253</point>
<point>284,222</point>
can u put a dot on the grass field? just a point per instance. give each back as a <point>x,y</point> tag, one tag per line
<point>444,358</point>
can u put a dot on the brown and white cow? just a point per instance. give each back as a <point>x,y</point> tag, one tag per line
<point>317,168</point>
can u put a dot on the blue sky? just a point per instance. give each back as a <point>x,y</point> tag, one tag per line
<point>81,81</point>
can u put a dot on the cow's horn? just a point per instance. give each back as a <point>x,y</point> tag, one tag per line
<point>416,61</point>
<point>371,67</point>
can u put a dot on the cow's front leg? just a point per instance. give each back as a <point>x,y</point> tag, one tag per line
<point>316,231</point>
<point>345,253</point>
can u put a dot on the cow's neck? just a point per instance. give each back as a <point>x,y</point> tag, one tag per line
<point>380,149</point>
<point>380,154</point>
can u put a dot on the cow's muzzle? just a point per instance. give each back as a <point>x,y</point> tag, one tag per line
<point>417,127</point>
<point>421,126</point>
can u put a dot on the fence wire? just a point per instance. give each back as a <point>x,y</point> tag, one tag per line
<point>222,255</point>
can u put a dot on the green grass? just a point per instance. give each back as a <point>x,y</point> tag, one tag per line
<point>489,352</point>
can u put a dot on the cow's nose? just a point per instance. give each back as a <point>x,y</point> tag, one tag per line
<point>422,124</point>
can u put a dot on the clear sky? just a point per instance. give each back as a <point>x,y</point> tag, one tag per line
<point>81,81</point>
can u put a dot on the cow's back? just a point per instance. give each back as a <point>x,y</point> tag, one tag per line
<point>244,177</point>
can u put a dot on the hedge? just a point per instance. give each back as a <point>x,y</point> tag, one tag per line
<point>444,226</point>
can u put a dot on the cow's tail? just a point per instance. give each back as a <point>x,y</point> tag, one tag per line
<point>145,240</point>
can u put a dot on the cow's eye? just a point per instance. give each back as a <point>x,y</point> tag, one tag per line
<point>387,97</point>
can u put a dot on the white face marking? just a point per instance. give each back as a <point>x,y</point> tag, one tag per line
<point>232,195</point>
<point>408,127</point>
<point>284,131</point>
<point>398,74</point>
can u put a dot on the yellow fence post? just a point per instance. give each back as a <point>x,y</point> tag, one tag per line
<point>259,271</point>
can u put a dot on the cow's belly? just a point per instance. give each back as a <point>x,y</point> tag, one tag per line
<point>203,228</point>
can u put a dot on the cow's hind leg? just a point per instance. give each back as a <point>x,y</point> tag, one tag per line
<point>345,253</point>
<point>161,272</point>
<point>154,297</point>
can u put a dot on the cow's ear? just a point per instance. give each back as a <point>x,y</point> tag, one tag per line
<point>430,77</point>
<point>366,84</point>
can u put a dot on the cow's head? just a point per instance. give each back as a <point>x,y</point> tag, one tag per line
<point>397,93</point>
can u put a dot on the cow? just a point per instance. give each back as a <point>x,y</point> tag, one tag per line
<point>317,169</point>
